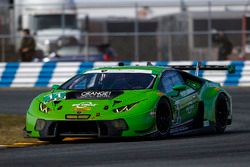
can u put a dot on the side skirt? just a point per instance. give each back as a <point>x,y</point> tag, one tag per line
<point>187,128</point>
<point>209,129</point>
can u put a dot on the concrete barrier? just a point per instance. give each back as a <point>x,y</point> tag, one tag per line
<point>47,74</point>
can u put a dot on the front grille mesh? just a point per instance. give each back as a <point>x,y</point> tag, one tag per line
<point>75,128</point>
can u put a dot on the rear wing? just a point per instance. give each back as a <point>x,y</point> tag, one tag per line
<point>199,66</point>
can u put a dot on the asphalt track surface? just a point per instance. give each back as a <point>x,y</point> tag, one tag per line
<point>229,149</point>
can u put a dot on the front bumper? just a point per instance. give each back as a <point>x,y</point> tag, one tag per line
<point>51,129</point>
<point>132,125</point>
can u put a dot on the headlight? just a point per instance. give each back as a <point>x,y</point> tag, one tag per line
<point>120,124</point>
<point>44,108</point>
<point>40,124</point>
<point>124,108</point>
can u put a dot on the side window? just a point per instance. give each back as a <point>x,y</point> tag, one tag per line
<point>83,82</point>
<point>168,80</point>
<point>81,85</point>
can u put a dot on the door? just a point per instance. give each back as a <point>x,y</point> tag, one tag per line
<point>184,102</point>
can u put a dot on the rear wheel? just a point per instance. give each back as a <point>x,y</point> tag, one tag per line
<point>163,117</point>
<point>221,113</point>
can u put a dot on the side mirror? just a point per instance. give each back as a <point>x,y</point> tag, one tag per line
<point>54,87</point>
<point>179,87</point>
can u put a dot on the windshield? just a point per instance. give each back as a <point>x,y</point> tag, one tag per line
<point>110,81</point>
<point>55,21</point>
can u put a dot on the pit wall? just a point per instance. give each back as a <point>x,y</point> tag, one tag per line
<point>46,74</point>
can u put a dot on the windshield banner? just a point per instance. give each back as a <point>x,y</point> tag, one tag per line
<point>93,95</point>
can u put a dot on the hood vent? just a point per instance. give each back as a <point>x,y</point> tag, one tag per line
<point>116,102</point>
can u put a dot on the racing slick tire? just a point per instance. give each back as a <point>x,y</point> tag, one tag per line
<point>221,113</point>
<point>163,118</point>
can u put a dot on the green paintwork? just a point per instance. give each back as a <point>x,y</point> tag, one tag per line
<point>55,86</point>
<point>179,87</point>
<point>141,119</point>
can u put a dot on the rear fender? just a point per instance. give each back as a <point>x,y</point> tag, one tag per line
<point>209,97</point>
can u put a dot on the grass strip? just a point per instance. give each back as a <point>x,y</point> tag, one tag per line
<point>11,129</point>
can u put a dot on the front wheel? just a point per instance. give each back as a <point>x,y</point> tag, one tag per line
<point>221,113</point>
<point>163,117</point>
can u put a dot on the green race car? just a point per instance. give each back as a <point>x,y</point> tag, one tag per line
<point>130,101</point>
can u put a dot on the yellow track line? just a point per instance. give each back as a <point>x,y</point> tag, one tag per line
<point>36,143</point>
<point>3,146</point>
<point>75,139</point>
<point>23,144</point>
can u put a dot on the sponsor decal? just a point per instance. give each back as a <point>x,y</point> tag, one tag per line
<point>84,106</point>
<point>79,110</point>
<point>181,127</point>
<point>189,109</point>
<point>177,104</point>
<point>54,97</point>
<point>93,95</point>
<point>99,94</point>
<point>81,116</point>
<point>119,71</point>
<point>187,101</point>
<point>186,92</point>
<point>177,119</point>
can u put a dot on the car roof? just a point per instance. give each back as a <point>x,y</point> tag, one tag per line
<point>153,69</point>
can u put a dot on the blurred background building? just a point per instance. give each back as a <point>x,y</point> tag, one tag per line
<point>138,30</point>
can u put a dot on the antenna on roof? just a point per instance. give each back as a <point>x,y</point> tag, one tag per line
<point>198,65</point>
